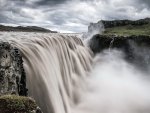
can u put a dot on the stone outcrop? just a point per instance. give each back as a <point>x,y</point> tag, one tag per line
<point>18,104</point>
<point>13,91</point>
<point>135,48</point>
<point>100,42</point>
<point>12,74</point>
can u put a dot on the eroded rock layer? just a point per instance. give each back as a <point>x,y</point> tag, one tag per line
<point>12,75</point>
<point>136,49</point>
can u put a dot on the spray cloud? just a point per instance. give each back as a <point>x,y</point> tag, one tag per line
<point>93,29</point>
<point>115,86</point>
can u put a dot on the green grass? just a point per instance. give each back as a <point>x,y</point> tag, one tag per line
<point>128,30</point>
<point>16,104</point>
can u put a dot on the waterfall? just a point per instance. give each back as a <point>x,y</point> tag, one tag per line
<point>64,76</point>
<point>111,44</point>
<point>56,66</point>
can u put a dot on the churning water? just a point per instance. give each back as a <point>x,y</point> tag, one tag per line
<point>63,76</point>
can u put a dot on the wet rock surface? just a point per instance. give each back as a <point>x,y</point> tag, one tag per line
<point>13,91</point>
<point>136,49</point>
<point>100,42</point>
<point>12,74</point>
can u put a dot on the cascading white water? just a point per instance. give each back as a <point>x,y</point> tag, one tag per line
<point>59,77</point>
<point>56,66</point>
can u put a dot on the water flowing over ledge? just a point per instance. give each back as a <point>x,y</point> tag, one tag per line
<point>64,76</point>
<point>56,66</point>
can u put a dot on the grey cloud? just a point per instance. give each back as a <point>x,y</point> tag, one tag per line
<point>70,15</point>
<point>50,2</point>
<point>146,2</point>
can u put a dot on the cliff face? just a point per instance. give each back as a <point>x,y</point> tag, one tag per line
<point>13,91</point>
<point>124,35</point>
<point>12,75</point>
<point>121,27</point>
<point>101,42</point>
<point>136,48</point>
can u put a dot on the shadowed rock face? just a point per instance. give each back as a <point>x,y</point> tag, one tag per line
<point>12,75</point>
<point>135,48</point>
<point>101,42</point>
<point>13,83</point>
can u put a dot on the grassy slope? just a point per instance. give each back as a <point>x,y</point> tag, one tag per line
<point>128,30</point>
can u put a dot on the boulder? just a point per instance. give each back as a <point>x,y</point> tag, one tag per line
<point>18,104</point>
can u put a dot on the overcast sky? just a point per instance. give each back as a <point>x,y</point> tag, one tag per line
<point>69,15</point>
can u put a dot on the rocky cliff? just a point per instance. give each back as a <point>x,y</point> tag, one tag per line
<point>13,91</point>
<point>12,74</point>
<point>100,42</point>
<point>121,27</point>
<point>136,48</point>
<point>131,37</point>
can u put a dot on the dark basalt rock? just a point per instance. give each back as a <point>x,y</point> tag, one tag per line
<point>13,83</point>
<point>135,48</point>
<point>100,42</point>
<point>12,74</point>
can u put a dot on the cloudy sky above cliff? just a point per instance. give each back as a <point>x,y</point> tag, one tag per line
<point>69,15</point>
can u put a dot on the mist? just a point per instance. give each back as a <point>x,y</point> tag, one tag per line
<point>115,86</point>
<point>93,29</point>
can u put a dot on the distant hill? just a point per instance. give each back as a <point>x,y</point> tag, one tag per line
<point>25,29</point>
<point>125,27</point>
